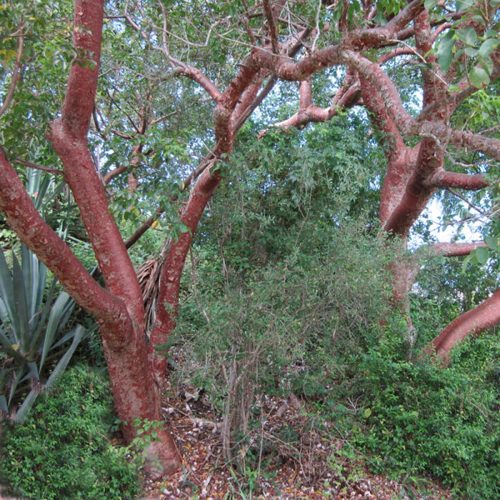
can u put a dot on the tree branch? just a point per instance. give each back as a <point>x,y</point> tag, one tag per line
<point>455,249</point>
<point>444,179</point>
<point>16,73</point>
<point>436,131</point>
<point>347,96</point>
<point>106,179</point>
<point>475,321</point>
<point>465,140</point>
<point>400,51</point>
<point>82,81</point>
<point>35,166</point>
<point>356,40</point>
<point>68,136</point>
<point>273,34</point>
<point>25,220</point>
<point>184,69</point>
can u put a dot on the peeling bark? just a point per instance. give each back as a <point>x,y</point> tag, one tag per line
<point>413,174</point>
<point>119,309</point>
<point>171,271</point>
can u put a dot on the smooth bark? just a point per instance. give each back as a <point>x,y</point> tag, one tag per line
<point>484,316</point>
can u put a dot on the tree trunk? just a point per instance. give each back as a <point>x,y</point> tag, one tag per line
<point>137,399</point>
<point>403,276</point>
<point>171,271</point>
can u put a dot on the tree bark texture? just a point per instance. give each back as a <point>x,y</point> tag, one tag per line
<point>118,308</point>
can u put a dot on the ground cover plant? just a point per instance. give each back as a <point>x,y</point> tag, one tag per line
<point>63,450</point>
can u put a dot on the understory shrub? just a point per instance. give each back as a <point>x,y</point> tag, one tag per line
<point>418,419</point>
<point>63,449</point>
<point>311,326</point>
<point>280,329</point>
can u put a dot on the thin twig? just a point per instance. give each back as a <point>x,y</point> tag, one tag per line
<point>273,34</point>
<point>35,166</point>
<point>316,27</point>
<point>465,200</point>
<point>16,74</point>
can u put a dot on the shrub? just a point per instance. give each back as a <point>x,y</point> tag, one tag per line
<point>418,419</point>
<point>281,328</point>
<point>63,449</point>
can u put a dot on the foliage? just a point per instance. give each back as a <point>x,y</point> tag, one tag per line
<point>46,26</point>
<point>285,260</point>
<point>289,290</point>
<point>414,419</point>
<point>463,44</point>
<point>63,449</point>
<point>33,332</point>
<point>283,328</point>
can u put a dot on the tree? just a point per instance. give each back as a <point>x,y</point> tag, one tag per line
<point>279,42</point>
<point>415,173</point>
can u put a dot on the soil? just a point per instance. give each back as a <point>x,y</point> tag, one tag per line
<point>288,456</point>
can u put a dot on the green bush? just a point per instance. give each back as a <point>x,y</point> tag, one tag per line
<point>63,448</point>
<point>284,327</point>
<point>417,419</point>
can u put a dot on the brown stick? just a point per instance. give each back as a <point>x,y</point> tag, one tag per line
<point>35,166</point>
<point>16,74</point>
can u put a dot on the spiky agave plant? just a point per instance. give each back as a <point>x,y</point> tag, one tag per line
<point>35,344</point>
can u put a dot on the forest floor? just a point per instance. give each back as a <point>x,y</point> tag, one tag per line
<point>297,460</point>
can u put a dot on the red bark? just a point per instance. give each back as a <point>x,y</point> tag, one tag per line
<point>106,179</point>
<point>240,97</point>
<point>69,138</point>
<point>25,220</point>
<point>413,174</point>
<point>444,179</point>
<point>456,249</point>
<point>134,393</point>
<point>119,309</point>
<point>475,321</point>
<point>170,277</point>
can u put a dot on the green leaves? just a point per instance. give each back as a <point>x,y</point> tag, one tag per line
<point>423,419</point>
<point>468,36</point>
<point>477,48</point>
<point>488,46</point>
<point>430,4</point>
<point>30,330</point>
<point>445,50</point>
<point>482,255</point>
<point>63,450</point>
<point>479,77</point>
<point>390,7</point>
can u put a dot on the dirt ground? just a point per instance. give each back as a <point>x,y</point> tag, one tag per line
<point>304,464</point>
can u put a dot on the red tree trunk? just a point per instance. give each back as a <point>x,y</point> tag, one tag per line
<point>137,399</point>
<point>170,276</point>
<point>119,308</point>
